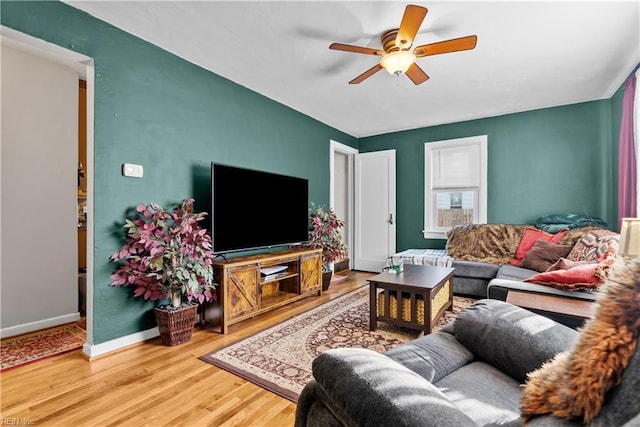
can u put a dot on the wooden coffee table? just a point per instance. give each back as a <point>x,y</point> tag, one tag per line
<point>415,298</point>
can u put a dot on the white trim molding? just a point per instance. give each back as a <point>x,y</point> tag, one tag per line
<point>94,350</point>
<point>38,325</point>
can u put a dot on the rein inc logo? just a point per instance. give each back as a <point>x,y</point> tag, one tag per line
<point>17,422</point>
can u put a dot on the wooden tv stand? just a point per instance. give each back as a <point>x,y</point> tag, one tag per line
<point>243,292</point>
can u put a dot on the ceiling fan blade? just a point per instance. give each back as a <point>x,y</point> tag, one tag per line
<point>356,49</point>
<point>416,74</point>
<point>447,46</point>
<point>370,72</point>
<point>411,21</point>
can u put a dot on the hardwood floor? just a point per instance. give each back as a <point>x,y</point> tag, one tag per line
<point>151,384</point>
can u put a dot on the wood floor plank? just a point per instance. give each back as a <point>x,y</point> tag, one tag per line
<point>155,385</point>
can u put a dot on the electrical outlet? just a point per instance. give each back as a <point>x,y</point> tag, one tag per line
<point>135,171</point>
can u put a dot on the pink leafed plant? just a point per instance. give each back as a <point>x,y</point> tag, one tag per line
<point>166,255</point>
<point>324,233</point>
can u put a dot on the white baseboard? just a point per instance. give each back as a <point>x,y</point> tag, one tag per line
<point>38,325</point>
<point>118,343</point>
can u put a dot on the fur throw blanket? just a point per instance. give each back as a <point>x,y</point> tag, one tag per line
<point>492,243</point>
<point>574,383</point>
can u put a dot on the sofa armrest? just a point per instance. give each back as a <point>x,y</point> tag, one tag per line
<point>510,338</point>
<point>365,388</point>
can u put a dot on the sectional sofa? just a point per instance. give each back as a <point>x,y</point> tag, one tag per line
<point>509,263</point>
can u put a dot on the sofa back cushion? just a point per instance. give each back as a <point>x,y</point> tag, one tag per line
<point>512,339</point>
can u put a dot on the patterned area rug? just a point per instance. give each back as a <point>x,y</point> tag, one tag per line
<point>279,358</point>
<point>29,348</point>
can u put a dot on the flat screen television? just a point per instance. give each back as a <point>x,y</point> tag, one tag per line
<point>252,209</point>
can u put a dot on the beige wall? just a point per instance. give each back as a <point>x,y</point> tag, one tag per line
<point>39,178</point>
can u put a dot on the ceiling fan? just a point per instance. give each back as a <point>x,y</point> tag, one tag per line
<point>397,59</point>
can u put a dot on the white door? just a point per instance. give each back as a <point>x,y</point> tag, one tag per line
<point>375,209</point>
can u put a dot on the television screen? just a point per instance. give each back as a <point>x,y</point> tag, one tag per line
<point>252,209</point>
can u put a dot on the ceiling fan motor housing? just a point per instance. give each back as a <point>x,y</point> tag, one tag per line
<point>388,40</point>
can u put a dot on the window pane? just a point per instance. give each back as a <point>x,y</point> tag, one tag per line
<point>455,208</point>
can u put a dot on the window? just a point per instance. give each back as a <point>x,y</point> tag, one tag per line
<point>455,182</point>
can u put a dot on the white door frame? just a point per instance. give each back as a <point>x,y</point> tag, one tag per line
<point>337,147</point>
<point>84,65</point>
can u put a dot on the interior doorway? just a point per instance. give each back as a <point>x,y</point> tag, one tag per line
<point>82,198</point>
<point>84,69</point>
<point>341,197</point>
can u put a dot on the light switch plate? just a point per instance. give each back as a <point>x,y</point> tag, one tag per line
<point>135,171</point>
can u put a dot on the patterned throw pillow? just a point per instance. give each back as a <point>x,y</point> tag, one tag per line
<point>594,246</point>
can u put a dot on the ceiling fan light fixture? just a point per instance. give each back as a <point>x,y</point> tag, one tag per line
<point>397,62</point>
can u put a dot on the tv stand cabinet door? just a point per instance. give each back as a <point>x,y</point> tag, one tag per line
<point>241,293</point>
<point>310,273</point>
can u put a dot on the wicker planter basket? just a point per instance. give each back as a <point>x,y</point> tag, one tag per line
<point>176,325</point>
<point>326,280</point>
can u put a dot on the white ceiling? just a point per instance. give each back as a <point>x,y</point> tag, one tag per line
<point>529,55</point>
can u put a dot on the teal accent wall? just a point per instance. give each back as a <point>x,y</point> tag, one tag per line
<point>174,118</point>
<point>553,160</point>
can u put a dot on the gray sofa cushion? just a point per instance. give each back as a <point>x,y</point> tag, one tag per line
<point>432,356</point>
<point>388,394</point>
<point>480,270</point>
<point>469,286</point>
<point>484,393</point>
<point>512,339</point>
<point>514,273</point>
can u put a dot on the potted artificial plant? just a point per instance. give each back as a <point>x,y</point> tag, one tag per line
<point>324,233</point>
<point>167,255</point>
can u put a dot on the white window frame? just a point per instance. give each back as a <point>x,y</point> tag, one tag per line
<point>431,230</point>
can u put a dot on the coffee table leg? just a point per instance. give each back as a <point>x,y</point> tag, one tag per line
<point>373,309</point>
<point>428,308</point>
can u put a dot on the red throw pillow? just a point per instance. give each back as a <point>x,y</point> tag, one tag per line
<point>583,276</point>
<point>529,239</point>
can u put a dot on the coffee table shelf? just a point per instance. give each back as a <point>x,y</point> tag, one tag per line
<point>416,298</point>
